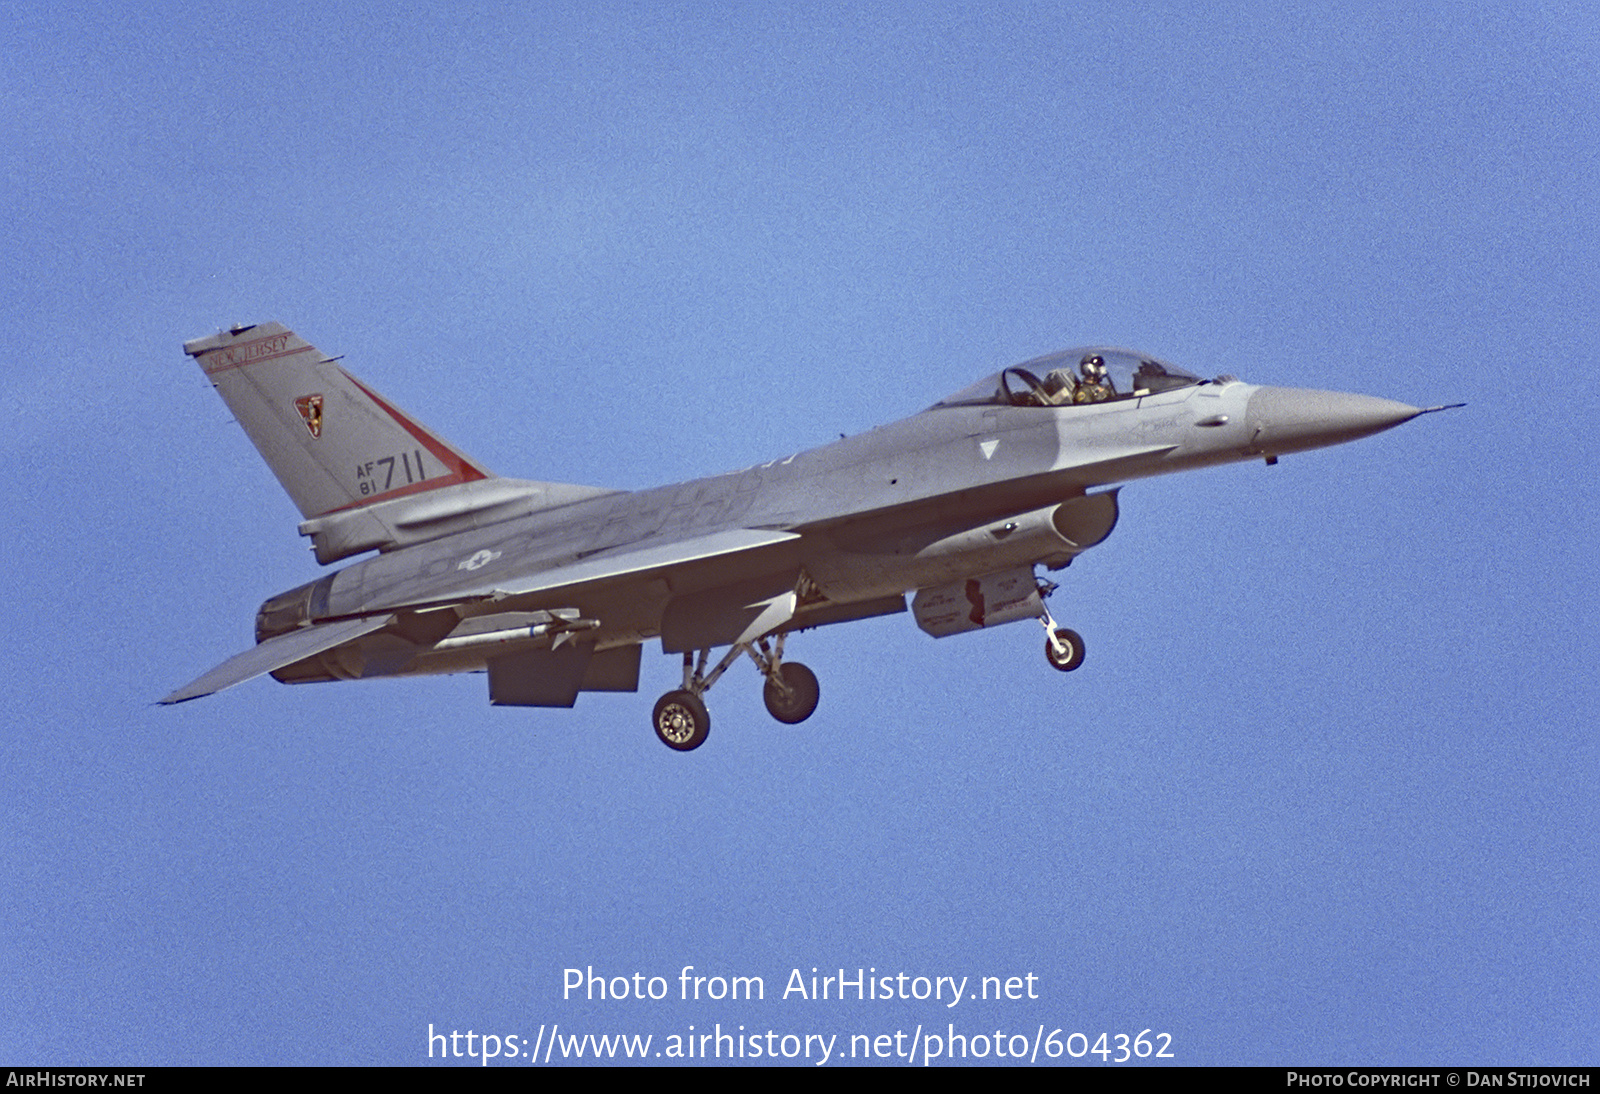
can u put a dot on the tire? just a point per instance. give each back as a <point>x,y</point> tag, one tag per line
<point>682,721</point>
<point>1075,651</point>
<point>801,702</point>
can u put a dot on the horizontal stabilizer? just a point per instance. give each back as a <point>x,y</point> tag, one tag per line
<point>277,652</point>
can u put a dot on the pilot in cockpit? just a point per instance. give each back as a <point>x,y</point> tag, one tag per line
<point>1096,386</point>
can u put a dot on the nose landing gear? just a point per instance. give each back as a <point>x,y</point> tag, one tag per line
<point>1063,647</point>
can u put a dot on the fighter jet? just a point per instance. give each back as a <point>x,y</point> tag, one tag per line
<point>553,589</point>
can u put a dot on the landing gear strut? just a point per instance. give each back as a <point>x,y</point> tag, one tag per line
<point>1063,647</point>
<point>790,693</point>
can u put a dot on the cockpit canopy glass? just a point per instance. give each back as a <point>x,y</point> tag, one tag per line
<point>1074,377</point>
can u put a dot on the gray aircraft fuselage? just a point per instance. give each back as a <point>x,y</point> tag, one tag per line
<point>553,589</point>
<point>866,508</point>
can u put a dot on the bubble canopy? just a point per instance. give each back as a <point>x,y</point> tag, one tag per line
<point>1064,379</point>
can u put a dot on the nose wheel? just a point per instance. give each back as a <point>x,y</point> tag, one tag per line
<point>1063,647</point>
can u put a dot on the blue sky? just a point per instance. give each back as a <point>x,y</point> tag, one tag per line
<point>1324,792</point>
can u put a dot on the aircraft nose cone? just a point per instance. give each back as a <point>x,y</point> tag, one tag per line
<point>1287,419</point>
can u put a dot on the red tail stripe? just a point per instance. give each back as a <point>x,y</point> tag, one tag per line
<point>461,469</point>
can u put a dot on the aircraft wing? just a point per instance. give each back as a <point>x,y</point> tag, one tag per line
<point>732,547</point>
<point>640,558</point>
<point>277,652</point>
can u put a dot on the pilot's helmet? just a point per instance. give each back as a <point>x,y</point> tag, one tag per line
<point>1093,367</point>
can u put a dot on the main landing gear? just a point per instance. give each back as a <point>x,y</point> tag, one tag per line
<point>682,720</point>
<point>791,693</point>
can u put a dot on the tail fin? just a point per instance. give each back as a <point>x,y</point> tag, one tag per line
<point>353,462</point>
<point>333,442</point>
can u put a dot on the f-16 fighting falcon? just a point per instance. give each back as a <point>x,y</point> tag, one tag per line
<point>552,589</point>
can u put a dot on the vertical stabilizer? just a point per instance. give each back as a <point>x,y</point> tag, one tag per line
<point>332,441</point>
